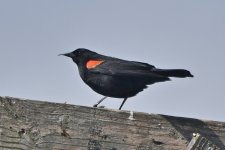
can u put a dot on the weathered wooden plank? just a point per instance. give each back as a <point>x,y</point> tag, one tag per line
<point>199,142</point>
<point>28,124</point>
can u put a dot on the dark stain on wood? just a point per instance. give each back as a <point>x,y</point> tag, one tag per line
<point>157,142</point>
<point>21,132</point>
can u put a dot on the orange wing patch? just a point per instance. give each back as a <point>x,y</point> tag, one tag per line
<point>93,63</point>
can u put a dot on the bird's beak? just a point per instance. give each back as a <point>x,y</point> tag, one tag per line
<point>67,54</point>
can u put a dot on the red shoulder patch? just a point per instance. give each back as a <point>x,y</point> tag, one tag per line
<point>93,63</point>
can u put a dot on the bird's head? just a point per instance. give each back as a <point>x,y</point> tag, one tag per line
<point>80,55</point>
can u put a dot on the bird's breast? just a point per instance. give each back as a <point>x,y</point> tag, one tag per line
<point>114,86</point>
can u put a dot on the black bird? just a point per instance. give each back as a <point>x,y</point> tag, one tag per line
<point>113,77</point>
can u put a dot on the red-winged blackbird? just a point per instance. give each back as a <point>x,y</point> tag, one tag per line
<point>113,77</point>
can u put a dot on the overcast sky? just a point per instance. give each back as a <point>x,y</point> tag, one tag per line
<point>168,34</point>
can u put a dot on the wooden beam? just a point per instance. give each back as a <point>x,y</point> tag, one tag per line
<point>29,124</point>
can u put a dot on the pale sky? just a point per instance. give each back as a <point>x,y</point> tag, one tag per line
<point>168,34</point>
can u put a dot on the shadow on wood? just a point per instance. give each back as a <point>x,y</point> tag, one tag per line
<point>210,129</point>
<point>28,124</point>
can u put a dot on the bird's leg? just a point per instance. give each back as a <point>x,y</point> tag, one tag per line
<point>122,103</point>
<point>96,105</point>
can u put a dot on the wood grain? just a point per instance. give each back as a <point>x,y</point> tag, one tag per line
<point>38,125</point>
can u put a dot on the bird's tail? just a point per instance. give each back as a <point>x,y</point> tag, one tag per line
<point>180,73</point>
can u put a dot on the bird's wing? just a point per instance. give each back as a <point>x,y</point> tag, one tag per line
<point>124,68</point>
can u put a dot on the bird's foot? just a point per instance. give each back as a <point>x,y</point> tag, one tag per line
<point>95,105</point>
<point>101,106</point>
